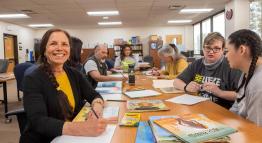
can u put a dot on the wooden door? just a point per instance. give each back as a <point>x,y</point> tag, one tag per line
<point>10,51</point>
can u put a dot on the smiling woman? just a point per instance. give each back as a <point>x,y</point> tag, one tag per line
<point>54,94</point>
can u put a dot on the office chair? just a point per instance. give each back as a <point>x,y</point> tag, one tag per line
<point>19,71</point>
<point>21,118</point>
<point>3,65</point>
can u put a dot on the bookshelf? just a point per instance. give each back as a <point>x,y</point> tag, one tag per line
<point>136,48</point>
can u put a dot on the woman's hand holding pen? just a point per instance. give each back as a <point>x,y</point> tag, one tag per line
<point>94,127</point>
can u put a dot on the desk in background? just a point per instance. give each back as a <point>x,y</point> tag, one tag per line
<point>4,77</point>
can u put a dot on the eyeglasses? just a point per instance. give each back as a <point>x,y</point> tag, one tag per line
<point>208,48</point>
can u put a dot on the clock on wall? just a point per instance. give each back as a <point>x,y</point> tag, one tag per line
<point>229,14</point>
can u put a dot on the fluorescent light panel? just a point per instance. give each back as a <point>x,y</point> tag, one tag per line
<point>102,13</point>
<point>14,16</point>
<point>110,23</point>
<point>40,25</point>
<point>179,21</point>
<point>204,10</point>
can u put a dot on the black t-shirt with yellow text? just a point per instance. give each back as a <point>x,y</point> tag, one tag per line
<point>223,76</point>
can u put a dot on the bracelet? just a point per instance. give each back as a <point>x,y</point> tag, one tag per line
<point>98,101</point>
<point>185,88</point>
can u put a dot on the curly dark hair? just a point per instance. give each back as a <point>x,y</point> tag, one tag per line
<point>253,42</point>
<point>122,53</point>
<point>66,109</point>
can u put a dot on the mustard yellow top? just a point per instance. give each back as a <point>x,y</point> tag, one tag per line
<point>175,68</point>
<point>65,86</point>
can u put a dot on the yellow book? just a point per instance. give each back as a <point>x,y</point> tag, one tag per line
<point>130,120</point>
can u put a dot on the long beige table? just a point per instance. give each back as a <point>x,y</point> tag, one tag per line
<point>247,131</point>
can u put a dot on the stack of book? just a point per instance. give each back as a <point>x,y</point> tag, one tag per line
<point>189,128</point>
<point>111,87</point>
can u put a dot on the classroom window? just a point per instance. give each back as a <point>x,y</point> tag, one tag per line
<point>256,16</point>
<point>219,23</point>
<point>206,28</point>
<point>197,39</point>
<point>214,23</point>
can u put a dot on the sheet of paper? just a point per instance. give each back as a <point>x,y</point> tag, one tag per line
<point>163,83</point>
<point>105,137</point>
<point>119,75</point>
<point>187,99</point>
<point>111,96</point>
<point>110,111</point>
<point>142,93</point>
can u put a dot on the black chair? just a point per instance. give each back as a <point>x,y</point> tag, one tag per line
<point>19,71</point>
<point>3,65</point>
<point>21,118</point>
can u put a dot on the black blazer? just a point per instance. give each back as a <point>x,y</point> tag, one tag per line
<point>45,119</point>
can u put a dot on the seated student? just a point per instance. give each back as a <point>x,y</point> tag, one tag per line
<point>96,68</point>
<point>244,53</point>
<point>174,62</point>
<point>211,75</point>
<point>54,94</point>
<point>126,57</point>
<point>75,54</point>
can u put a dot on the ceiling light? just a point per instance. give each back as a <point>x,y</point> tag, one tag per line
<point>14,16</point>
<point>179,21</point>
<point>105,17</point>
<point>41,25</point>
<point>204,10</point>
<point>102,13</point>
<point>110,23</point>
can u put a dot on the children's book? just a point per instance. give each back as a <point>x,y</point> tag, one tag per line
<point>194,128</point>
<point>130,120</point>
<point>144,133</point>
<point>142,93</point>
<point>161,135</point>
<point>109,111</point>
<point>146,105</point>
<point>112,87</point>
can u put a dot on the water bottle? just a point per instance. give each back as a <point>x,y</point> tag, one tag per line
<point>131,74</point>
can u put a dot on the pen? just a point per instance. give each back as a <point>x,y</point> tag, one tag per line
<point>123,75</point>
<point>94,112</point>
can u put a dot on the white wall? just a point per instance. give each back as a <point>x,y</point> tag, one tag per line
<point>90,37</point>
<point>240,19</point>
<point>25,36</point>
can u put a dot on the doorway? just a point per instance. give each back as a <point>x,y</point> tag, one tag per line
<point>10,51</point>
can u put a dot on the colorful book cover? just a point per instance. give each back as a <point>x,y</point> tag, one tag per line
<point>109,111</point>
<point>130,120</point>
<point>146,105</point>
<point>194,128</point>
<point>162,135</point>
<point>144,133</point>
<point>112,87</point>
